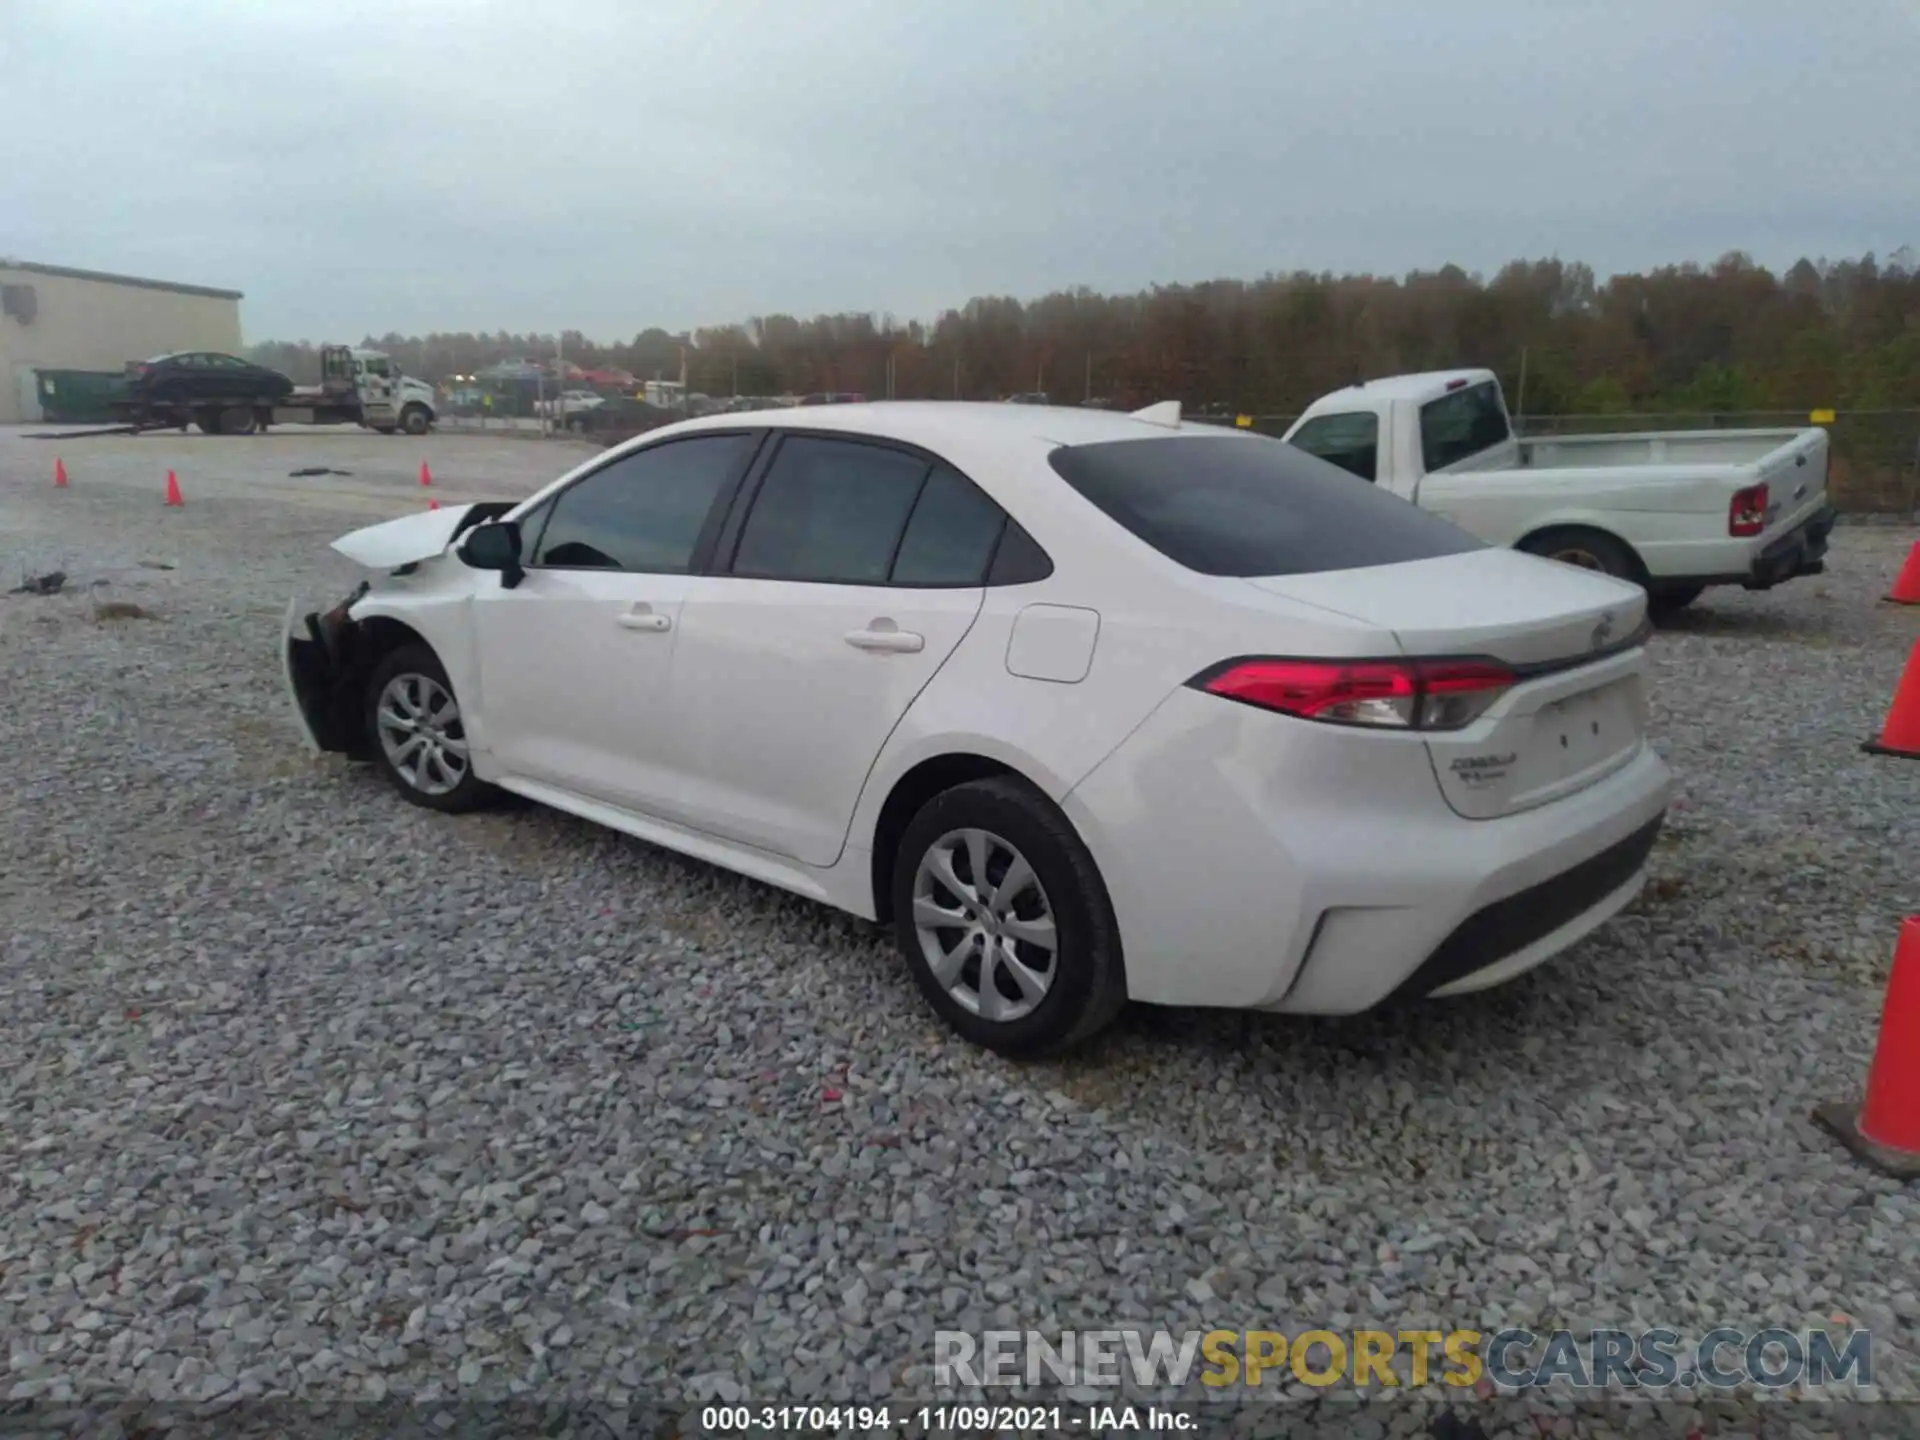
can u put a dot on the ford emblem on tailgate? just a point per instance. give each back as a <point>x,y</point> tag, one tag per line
<point>1602,632</point>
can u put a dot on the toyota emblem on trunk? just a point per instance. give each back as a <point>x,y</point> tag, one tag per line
<point>1602,631</point>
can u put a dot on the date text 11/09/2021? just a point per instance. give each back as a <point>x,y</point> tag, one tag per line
<point>943,1419</point>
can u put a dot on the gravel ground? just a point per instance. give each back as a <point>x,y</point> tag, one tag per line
<point>307,1092</point>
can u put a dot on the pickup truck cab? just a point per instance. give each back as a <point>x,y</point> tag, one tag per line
<point>1672,511</point>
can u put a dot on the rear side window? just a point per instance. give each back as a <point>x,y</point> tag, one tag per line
<point>1246,505</point>
<point>1461,424</point>
<point>1350,441</point>
<point>950,539</point>
<point>830,511</point>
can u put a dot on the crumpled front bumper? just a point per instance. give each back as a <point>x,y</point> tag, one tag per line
<point>324,664</point>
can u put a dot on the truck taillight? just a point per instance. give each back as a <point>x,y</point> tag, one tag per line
<point>1383,694</point>
<point>1747,512</point>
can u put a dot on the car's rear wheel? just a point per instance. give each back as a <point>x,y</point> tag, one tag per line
<point>1004,920</point>
<point>419,733</point>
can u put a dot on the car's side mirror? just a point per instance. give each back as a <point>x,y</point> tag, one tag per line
<point>495,547</point>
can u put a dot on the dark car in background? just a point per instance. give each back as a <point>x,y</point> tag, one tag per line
<point>222,394</point>
<point>203,375</point>
<point>834,397</point>
<point>620,417</point>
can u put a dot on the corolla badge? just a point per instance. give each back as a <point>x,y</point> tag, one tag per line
<point>1602,632</point>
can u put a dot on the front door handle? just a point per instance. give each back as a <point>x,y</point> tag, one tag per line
<point>889,640</point>
<point>643,617</point>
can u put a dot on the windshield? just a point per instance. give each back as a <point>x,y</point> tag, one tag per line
<point>1250,506</point>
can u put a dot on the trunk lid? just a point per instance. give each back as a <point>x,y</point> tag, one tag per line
<point>1578,711</point>
<point>1514,607</point>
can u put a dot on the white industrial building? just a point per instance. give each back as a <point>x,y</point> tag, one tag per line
<point>57,319</point>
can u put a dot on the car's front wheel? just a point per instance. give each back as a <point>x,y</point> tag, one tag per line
<point>1005,922</point>
<point>419,733</point>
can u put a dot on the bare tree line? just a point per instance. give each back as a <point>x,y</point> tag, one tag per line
<point>1728,337</point>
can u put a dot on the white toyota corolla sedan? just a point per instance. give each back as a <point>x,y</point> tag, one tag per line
<point>1088,707</point>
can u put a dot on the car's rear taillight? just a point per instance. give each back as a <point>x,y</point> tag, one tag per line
<point>1747,512</point>
<point>1387,694</point>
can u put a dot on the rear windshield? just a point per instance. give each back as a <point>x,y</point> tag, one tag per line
<point>1461,424</point>
<point>1246,505</point>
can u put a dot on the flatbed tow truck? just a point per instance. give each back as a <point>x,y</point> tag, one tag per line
<point>357,387</point>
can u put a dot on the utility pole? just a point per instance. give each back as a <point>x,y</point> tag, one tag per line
<point>956,377</point>
<point>1089,394</point>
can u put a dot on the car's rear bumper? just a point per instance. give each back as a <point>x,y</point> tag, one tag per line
<point>1499,940</point>
<point>1322,872</point>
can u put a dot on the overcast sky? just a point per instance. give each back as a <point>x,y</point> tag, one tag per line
<point>605,165</point>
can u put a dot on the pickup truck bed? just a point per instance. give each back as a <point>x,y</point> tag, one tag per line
<point>1673,511</point>
<point>1673,447</point>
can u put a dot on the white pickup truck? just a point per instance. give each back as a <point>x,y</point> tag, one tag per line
<point>1672,511</point>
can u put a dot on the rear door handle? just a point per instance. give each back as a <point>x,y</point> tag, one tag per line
<point>643,617</point>
<point>889,641</point>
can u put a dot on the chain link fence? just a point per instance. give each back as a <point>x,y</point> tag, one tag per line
<point>1875,453</point>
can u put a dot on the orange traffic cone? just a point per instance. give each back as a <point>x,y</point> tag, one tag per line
<point>1901,734</point>
<point>59,473</point>
<point>1884,1130</point>
<point>426,475</point>
<point>433,504</point>
<point>1906,587</point>
<point>174,496</point>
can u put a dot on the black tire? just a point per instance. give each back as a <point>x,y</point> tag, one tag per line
<point>238,420</point>
<point>1588,549</point>
<point>208,421</point>
<point>1661,603</point>
<point>417,661</point>
<point>415,420</point>
<point>1087,976</point>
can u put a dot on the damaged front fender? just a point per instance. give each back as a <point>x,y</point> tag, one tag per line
<point>326,659</point>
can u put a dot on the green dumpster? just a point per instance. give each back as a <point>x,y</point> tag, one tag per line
<point>80,397</point>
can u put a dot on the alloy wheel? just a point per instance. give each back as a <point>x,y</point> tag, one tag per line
<point>421,733</point>
<point>985,925</point>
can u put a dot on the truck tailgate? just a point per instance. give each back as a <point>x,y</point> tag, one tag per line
<point>1795,475</point>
